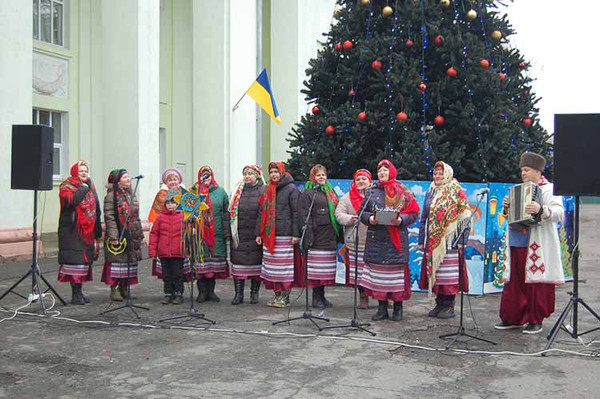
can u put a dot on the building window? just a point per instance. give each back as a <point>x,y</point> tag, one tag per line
<point>48,18</point>
<point>55,120</point>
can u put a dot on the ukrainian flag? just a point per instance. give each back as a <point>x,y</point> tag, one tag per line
<point>260,91</point>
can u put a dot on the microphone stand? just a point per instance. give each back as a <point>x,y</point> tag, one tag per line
<point>129,302</point>
<point>307,314</point>
<point>355,323</point>
<point>462,264</point>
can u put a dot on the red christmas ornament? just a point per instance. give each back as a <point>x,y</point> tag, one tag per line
<point>522,65</point>
<point>452,72</point>
<point>525,92</point>
<point>409,43</point>
<point>439,120</point>
<point>362,116</point>
<point>338,47</point>
<point>376,65</point>
<point>348,45</point>
<point>316,109</point>
<point>401,117</point>
<point>502,75</point>
<point>439,40</point>
<point>351,93</point>
<point>484,63</point>
<point>422,86</point>
<point>527,121</point>
<point>330,130</point>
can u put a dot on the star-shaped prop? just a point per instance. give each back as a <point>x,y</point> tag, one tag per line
<point>191,203</point>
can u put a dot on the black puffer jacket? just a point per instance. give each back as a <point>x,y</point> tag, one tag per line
<point>72,250</point>
<point>248,252</point>
<point>379,248</point>
<point>286,223</point>
<point>319,233</point>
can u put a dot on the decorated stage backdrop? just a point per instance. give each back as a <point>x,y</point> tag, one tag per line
<point>485,240</point>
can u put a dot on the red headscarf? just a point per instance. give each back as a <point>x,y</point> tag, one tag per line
<point>86,209</point>
<point>399,197</point>
<point>208,216</point>
<point>268,207</point>
<point>355,196</point>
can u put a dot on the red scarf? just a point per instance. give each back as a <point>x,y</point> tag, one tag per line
<point>399,197</point>
<point>268,208</point>
<point>86,209</point>
<point>208,233</point>
<point>355,196</point>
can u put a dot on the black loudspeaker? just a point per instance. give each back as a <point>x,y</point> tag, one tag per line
<point>576,146</point>
<point>31,166</point>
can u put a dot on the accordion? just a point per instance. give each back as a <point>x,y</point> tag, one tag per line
<point>520,196</point>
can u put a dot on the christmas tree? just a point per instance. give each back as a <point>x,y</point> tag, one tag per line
<point>417,81</point>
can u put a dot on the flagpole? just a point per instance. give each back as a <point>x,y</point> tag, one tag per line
<point>236,104</point>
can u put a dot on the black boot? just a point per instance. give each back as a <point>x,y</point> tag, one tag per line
<point>397,314</point>
<point>254,288</point>
<point>438,307</point>
<point>86,298</point>
<point>324,300</point>
<point>202,291</point>
<point>210,287</point>
<point>177,298</point>
<point>239,292</point>
<point>382,312</point>
<point>76,297</point>
<point>447,311</point>
<point>317,298</point>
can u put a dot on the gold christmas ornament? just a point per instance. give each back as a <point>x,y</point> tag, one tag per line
<point>445,3</point>
<point>496,35</point>
<point>365,2</point>
<point>471,14</point>
<point>337,11</point>
<point>387,11</point>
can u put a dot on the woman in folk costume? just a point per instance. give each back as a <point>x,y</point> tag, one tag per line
<point>215,233</point>
<point>277,230</point>
<point>79,229</point>
<point>386,274</point>
<point>171,180</point>
<point>322,233</point>
<point>246,254</point>
<point>122,219</point>
<point>445,212</point>
<point>533,265</point>
<point>346,214</point>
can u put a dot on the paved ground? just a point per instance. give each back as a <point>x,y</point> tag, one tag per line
<point>82,354</point>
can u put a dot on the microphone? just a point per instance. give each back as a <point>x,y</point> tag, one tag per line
<point>317,186</point>
<point>484,191</point>
<point>137,177</point>
<point>205,176</point>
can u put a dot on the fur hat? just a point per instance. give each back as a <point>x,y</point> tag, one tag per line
<point>171,193</point>
<point>171,171</point>
<point>533,160</point>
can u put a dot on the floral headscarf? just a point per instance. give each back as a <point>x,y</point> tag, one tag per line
<point>268,207</point>
<point>86,208</point>
<point>209,215</point>
<point>355,196</point>
<point>327,189</point>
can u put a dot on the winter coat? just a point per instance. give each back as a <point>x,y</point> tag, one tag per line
<point>247,251</point>
<point>423,224</point>
<point>72,250</point>
<point>379,248</point>
<point>343,214</point>
<point>134,236</point>
<point>286,223</point>
<point>165,236</point>
<point>319,231</point>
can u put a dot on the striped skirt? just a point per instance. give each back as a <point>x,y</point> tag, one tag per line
<point>212,268</point>
<point>157,269</point>
<point>114,272</point>
<point>74,273</point>
<point>278,267</point>
<point>446,276</point>
<point>321,266</point>
<point>447,272</point>
<point>383,278</point>
<point>242,272</point>
<point>351,262</point>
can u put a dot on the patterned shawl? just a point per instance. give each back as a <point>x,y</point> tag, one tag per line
<point>234,202</point>
<point>355,196</point>
<point>120,201</point>
<point>86,209</point>
<point>448,213</point>
<point>268,208</point>
<point>209,215</point>
<point>327,189</point>
<point>397,196</point>
<point>159,199</point>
